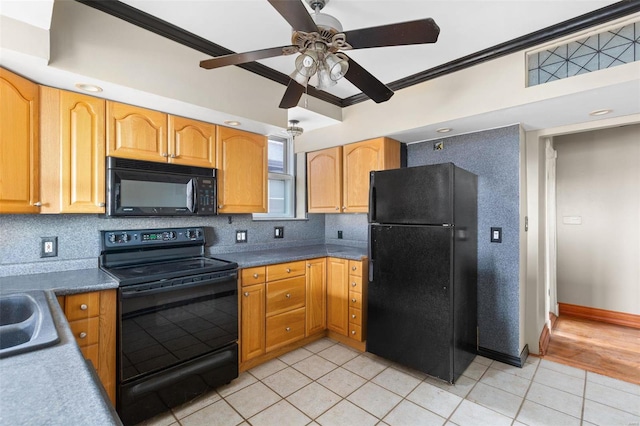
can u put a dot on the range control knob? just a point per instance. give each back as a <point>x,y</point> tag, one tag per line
<point>124,237</point>
<point>112,238</point>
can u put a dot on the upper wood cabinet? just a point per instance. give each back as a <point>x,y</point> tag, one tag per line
<point>358,160</point>
<point>72,175</point>
<point>19,144</point>
<point>137,133</point>
<point>192,142</point>
<point>241,159</point>
<point>324,180</point>
<point>338,178</point>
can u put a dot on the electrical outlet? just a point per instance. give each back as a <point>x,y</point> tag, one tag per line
<point>241,236</point>
<point>339,235</point>
<point>278,232</point>
<point>496,235</point>
<point>48,246</point>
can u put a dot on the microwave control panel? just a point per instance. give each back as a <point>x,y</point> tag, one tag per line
<point>206,196</point>
<point>146,237</point>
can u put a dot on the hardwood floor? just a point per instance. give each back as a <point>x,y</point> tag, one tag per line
<point>608,349</point>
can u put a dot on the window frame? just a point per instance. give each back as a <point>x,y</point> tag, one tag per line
<point>289,179</point>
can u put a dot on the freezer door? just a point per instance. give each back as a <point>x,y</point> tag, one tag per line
<point>410,302</point>
<point>414,195</point>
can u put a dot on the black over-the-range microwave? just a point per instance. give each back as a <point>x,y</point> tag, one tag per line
<point>145,188</point>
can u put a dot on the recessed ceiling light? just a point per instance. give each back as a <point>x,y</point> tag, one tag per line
<point>444,130</point>
<point>600,112</point>
<point>232,122</point>
<point>89,87</point>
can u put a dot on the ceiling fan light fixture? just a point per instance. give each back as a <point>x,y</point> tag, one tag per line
<point>324,78</point>
<point>299,78</point>
<point>337,65</point>
<point>293,129</point>
<point>307,63</point>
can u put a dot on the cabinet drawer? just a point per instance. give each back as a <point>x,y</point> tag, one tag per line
<point>355,300</point>
<point>85,331</point>
<point>355,316</point>
<point>284,295</point>
<point>285,328</point>
<point>355,332</point>
<point>285,270</point>
<point>355,267</point>
<point>355,283</point>
<point>251,276</point>
<point>81,306</point>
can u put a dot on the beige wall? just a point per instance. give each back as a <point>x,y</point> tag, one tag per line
<point>598,181</point>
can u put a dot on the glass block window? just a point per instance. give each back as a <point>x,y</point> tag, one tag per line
<point>595,52</point>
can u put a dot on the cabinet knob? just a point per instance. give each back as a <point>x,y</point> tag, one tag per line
<point>246,294</point>
<point>288,329</point>
<point>353,332</point>
<point>100,204</point>
<point>220,206</point>
<point>82,335</point>
<point>337,208</point>
<point>308,265</point>
<point>255,275</point>
<point>353,300</point>
<point>353,284</point>
<point>288,296</point>
<point>288,270</point>
<point>38,204</point>
<point>354,268</point>
<point>164,154</point>
<point>353,316</point>
<point>84,307</point>
<point>174,156</point>
<point>344,207</point>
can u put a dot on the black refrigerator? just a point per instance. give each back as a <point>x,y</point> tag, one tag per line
<point>422,302</point>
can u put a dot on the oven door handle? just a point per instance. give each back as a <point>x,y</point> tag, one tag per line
<point>131,292</point>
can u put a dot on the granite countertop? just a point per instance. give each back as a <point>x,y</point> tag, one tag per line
<point>54,385</point>
<point>248,259</point>
<point>62,283</point>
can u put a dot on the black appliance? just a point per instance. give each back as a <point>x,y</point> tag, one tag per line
<point>177,327</point>
<point>146,188</point>
<point>423,268</point>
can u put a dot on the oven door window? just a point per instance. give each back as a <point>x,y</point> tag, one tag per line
<point>166,326</point>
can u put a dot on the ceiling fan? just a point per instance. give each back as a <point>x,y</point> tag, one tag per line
<point>320,40</point>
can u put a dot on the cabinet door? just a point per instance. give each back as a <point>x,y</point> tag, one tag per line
<point>252,322</point>
<point>324,180</point>
<point>138,133</point>
<point>337,295</point>
<point>19,144</point>
<point>359,159</point>
<point>191,142</point>
<point>316,296</point>
<point>242,171</point>
<point>73,151</point>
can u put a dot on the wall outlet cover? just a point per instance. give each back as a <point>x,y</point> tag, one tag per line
<point>48,246</point>
<point>496,235</point>
<point>242,236</point>
<point>278,232</point>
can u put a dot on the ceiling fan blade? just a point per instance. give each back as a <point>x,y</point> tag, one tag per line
<point>295,13</point>
<point>365,81</point>
<point>412,32</point>
<point>292,94</point>
<point>241,58</point>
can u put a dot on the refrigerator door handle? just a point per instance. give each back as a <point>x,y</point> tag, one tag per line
<point>370,254</point>
<point>372,197</point>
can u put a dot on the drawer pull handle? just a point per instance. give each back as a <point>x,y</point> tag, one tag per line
<point>353,284</point>
<point>255,275</point>
<point>353,332</point>
<point>246,294</point>
<point>353,316</point>
<point>288,270</point>
<point>354,268</point>
<point>288,296</point>
<point>353,300</point>
<point>82,335</point>
<point>83,307</point>
<point>288,329</point>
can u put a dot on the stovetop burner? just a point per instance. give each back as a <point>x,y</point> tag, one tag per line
<point>161,253</point>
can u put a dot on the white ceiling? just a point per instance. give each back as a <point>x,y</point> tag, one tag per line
<point>466,26</point>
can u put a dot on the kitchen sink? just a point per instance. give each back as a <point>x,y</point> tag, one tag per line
<point>26,323</point>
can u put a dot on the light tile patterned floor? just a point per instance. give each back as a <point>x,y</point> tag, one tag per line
<point>326,383</point>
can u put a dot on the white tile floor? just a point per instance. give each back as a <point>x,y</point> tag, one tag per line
<point>327,383</point>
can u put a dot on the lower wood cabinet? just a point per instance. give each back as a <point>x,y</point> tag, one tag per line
<point>252,321</point>
<point>285,328</point>
<point>316,281</point>
<point>347,297</point>
<point>92,319</point>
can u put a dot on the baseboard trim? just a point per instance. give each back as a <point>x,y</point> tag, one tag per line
<point>517,361</point>
<point>545,337</point>
<point>602,315</point>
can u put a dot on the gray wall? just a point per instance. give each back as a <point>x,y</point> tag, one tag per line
<point>493,155</point>
<point>78,239</point>
<point>354,229</point>
<point>598,181</point>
